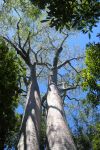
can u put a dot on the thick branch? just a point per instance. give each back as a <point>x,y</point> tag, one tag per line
<point>18,51</point>
<point>58,51</point>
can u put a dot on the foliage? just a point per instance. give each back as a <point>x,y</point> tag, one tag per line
<point>9,92</point>
<point>96,137</point>
<point>81,14</point>
<point>91,75</point>
<point>42,133</point>
<point>89,138</point>
<point>11,11</point>
<point>87,130</point>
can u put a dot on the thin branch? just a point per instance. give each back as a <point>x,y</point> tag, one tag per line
<point>72,98</point>
<point>64,40</point>
<point>18,28</point>
<point>67,61</point>
<point>70,88</point>
<point>73,67</point>
<point>51,41</point>
<point>19,38</point>
<point>17,12</point>
<point>28,38</point>
<point>35,55</point>
<point>44,64</point>
<point>40,72</point>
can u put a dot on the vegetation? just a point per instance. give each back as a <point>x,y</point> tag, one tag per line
<point>91,75</point>
<point>81,15</point>
<point>9,96</point>
<point>87,133</point>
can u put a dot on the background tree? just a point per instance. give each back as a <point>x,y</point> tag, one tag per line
<point>9,95</point>
<point>87,123</point>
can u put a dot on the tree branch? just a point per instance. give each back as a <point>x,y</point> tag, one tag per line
<point>67,61</point>
<point>72,98</point>
<point>73,67</point>
<point>28,38</point>
<point>19,39</point>
<point>58,51</point>
<point>18,51</point>
<point>44,64</point>
<point>70,88</point>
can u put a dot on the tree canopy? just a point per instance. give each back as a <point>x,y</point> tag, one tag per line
<point>81,15</point>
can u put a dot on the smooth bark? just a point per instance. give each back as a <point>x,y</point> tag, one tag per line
<point>58,133</point>
<point>29,134</point>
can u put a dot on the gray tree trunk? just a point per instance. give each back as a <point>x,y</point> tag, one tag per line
<point>29,133</point>
<point>58,134</point>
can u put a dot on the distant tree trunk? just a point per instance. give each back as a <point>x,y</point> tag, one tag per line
<point>29,135</point>
<point>58,134</point>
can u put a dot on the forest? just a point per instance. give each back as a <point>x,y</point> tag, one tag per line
<point>49,75</point>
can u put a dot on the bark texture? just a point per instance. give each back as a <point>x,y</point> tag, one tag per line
<point>29,135</point>
<point>58,134</point>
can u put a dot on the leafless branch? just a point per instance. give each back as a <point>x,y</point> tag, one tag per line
<point>27,40</point>
<point>72,98</point>
<point>17,12</point>
<point>70,88</point>
<point>73,67</point>
<point>18,28</point>
<point>40,72</point>
<point>67,61</point>
<point>51,41</point>
<point>35,55</point>
<point>44,64</point>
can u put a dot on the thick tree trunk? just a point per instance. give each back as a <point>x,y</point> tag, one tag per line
<point>58,134</point>
<point>29,135</point>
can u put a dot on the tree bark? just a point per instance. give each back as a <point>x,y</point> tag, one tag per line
<point>29,133</point>
<point>58,133</point>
